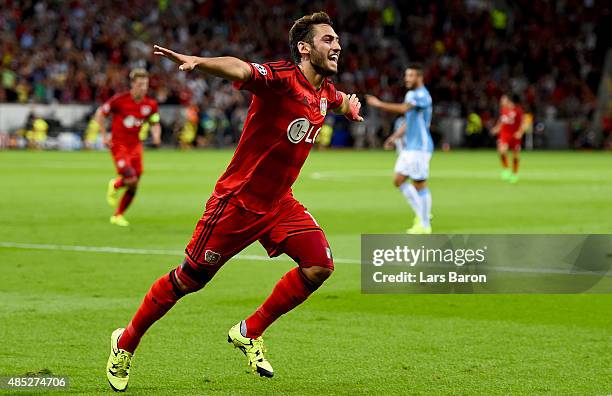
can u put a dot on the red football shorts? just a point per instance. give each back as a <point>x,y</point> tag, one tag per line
<point>513,143</point>
<point>225,229</point>
<point>128,161</point>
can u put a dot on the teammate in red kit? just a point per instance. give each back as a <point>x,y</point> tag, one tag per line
<point>130,110</point>
<point>252,201</point>
<point>509,130</point>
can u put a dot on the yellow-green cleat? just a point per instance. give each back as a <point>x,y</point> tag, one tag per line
<point>119,220</point>
<point>418,229</point>
<point>506,174</point>
<point>513,178</point>
<point>118,365</point>
<point>112,196</point>
<point>253,349</point>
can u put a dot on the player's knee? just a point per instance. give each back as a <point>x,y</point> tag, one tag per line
<point>398,180</point>
<point>317,274</point>
<point>131,183</point>
<point>187,279</point>
<point>419,184</point>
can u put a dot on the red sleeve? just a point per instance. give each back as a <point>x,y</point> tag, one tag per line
<point>263,79</point>
<point>110,105</point>
<point>335,97</point>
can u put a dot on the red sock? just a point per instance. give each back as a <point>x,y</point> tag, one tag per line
<point>504,160</point>
<point>515,165</point>
<point>126,200</point>
<point>160,298</point>
<point>290,291</point>
<point>119,182</point>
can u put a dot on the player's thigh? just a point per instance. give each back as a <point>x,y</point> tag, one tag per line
<point>297,233</point>
<point>124,163</point>
<point>136,163</point>
<point>223,231</point>
<point>502,145</point>
<point>415,164</point>
<point>309,249</point>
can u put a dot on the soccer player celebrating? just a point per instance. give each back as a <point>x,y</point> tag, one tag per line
<point>252,201</point>
<point>416,148</point>
<point>509,130</point>
<point>129,111</point>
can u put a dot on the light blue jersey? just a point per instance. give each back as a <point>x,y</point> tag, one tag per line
<point>418,119</point>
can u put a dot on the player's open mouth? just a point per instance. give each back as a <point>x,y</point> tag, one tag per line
<point>334,58</point>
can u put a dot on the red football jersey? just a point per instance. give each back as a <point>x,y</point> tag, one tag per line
<point>128,117</point>
<point>511,119</point>
<point>285,115</point>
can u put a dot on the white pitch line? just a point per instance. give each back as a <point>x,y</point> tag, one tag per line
<point>155,252</point>
<point>167,252</point>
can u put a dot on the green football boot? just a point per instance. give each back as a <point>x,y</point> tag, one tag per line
<point>118,365</point>
<point>253,349</point>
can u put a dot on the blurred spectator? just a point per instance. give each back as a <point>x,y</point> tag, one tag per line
<point>80,52</point>
<point>36,131</point>
<point>186,127</point>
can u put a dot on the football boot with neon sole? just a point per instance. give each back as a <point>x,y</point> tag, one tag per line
<point>118,365</point>
<point>253,349</point>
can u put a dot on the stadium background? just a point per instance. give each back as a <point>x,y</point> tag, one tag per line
<point>551,53</point>
<point>69,278</point>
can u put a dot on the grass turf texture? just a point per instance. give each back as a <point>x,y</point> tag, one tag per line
<point>58,308</point>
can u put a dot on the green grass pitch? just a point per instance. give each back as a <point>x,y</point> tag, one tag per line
<point>58,307</point>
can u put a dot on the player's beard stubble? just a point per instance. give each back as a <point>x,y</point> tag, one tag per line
<point>318,62</point>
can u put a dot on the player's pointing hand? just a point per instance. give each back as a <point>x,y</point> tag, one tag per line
<point>186,62</point>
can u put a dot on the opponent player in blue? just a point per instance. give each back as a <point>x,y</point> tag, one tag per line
<point>417,146</point>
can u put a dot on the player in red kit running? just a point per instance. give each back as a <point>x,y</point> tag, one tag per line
<point>130,110</point>
<point>509,130</point>
<point>252,201</point>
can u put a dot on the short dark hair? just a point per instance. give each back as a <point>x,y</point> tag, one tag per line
<point>138,73</point>
<point>415,66</point>
<point>515,98</point>
<point>302,31</point>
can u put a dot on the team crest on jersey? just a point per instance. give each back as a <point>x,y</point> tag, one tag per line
<point>212,257</point>
<point>323,106</point>
<point>262,70</point>
<point>145,110</point>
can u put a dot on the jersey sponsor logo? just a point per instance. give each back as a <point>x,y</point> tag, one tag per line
<point>262,70</point>
<point>300,128</point>
<point>508,118</point>
<point>211,257</point>
<point>145,110</point>
<point>323,106</point>
<point>131,122</point>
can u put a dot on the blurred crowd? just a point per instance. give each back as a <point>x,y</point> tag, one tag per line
<point>75,51</point>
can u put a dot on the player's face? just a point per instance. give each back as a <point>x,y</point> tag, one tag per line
<point>504,101</point>
<point>411,77</point>
<point>140,86</point>
<point>325,52</point>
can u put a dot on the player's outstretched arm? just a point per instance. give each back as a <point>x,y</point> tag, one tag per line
<point>496,128</point>
<point>226,67</point>
<point>350,107</point>
<point>398,108</point>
